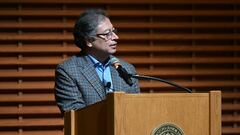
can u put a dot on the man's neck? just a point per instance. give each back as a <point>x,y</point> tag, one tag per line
<point>101,59</point>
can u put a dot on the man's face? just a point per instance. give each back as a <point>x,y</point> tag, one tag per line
<point>105,42</point>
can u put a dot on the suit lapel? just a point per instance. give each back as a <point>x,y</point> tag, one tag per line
<point>91,75</point>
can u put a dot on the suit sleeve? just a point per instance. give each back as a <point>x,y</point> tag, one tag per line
<point>67,94</point>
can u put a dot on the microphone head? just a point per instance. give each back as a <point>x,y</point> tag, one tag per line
<point>122,71</point>
<point>115,62</point>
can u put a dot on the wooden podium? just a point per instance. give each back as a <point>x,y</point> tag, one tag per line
<point>143,114</point>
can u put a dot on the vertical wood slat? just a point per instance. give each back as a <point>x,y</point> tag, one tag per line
<point>194,43</point>
<point>215,118</point>
<point>69,120</point>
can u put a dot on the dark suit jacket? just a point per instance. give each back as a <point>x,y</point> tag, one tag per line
<point>78,85</point>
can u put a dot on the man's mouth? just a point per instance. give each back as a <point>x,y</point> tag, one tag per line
<point>115,44</point>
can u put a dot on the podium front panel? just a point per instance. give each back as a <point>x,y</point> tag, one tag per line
<point>142,113</point>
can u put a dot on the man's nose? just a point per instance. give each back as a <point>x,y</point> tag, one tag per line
<point>115,36</point>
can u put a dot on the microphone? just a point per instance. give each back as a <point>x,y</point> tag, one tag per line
<point>127,77</point>
<point>108,88</point>
<point>108,85</point>
<point>121,71</point>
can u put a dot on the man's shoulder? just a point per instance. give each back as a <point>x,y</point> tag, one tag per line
<point>123,62</point>
<point>72,61</point>
<point>126,64</point>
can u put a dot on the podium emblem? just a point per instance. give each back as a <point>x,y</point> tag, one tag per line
<point>167,129</point>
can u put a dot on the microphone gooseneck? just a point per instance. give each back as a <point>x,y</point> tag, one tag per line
<point>127,77</point>
<point>142,77</point>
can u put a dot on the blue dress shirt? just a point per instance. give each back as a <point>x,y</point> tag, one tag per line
<point>104,73</point>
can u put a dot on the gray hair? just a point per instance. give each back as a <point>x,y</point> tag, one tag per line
<point>86,26</point>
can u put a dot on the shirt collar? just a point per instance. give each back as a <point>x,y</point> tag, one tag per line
<point>97,63</point>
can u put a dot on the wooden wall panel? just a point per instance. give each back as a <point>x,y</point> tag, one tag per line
<point>194,43</point>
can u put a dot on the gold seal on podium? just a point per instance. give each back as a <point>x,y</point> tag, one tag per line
<point>168,129</point>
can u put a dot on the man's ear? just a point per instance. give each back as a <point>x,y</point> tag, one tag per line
<point>89,41</point>
<point>89,44</point>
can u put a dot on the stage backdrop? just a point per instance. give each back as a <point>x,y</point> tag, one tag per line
<point>195,43</point>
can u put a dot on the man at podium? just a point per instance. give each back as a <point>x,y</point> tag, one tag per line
<point>87,77</point>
